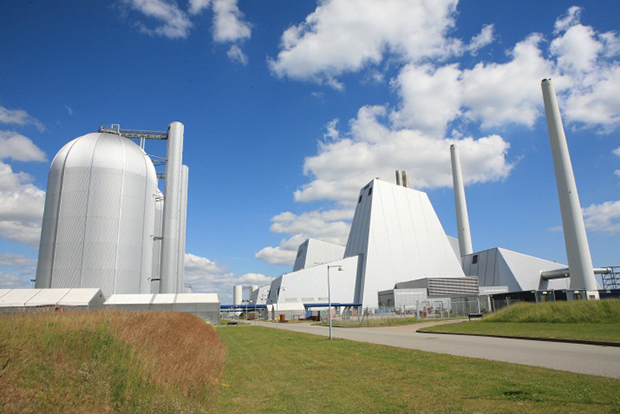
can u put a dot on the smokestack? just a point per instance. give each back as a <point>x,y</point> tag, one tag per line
<point>405,179</point>
<point>182,230</point>
<point>237,294</point>
<point>397,177</point>
<point>577,249</point>
<point>172,209</point>
<point>462,218</point>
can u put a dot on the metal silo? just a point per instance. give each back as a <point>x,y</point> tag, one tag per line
<point>99,217</point>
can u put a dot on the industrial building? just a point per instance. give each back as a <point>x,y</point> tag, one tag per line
<point>398,254</point>
<point>106,224</point>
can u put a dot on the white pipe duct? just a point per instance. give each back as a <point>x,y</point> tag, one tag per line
<point>565,272</point>
<point>577,249</point>
<point>172,202</point>
<point>182,230</point>
<point>462,218</point>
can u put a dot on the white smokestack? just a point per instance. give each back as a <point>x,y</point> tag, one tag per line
<point>172,202</point>
<point>237,294</point>
<point>182,230</point>
<point>462,218</point>
<point>577,249</point>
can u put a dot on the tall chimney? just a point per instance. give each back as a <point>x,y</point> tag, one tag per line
<point>182,230</point>
<point>462,218</point>
<point>577,249</point>
<point>172,209</point>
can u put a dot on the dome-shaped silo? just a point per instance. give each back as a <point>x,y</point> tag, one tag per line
<point>99,217</point>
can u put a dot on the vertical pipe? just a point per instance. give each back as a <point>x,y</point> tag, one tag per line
<point>397,177</point>
<point>462,218</point>
<point>405,179</point>
<point>172,194</point>
<point>577,249</point>
<point>157,241</point>
<point>182,230</point>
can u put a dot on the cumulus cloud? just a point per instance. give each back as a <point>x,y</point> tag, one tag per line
<point>19,117</point>
<point>228,23</point>
<point>21,206</point>
<point>19,148</point>
<point>171,21</point>
<point>17,271</point>
<point>603,217</point>
<point>372,149</point>
<point>343,36</point>
<point>482,39</point>
<point>236,55</point>
<point>327,225</point>
<point>210,276</point>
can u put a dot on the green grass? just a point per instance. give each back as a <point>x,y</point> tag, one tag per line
<point>94,362</point>
<point>581,320</point>
<point>269,371</point>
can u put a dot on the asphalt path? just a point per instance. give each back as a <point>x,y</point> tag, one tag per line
<point>583,359</point>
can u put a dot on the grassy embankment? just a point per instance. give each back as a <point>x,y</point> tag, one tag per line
<point>582,320</point>
<point>269,371</point>
<point>108,362</point>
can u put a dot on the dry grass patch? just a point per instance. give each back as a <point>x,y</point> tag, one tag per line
<point>108,361</point>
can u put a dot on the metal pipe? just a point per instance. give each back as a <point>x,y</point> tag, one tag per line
<point>565,272</point>
<point>182,229</point>
<point>397,177</point>
<point>405,179</point>
<point>577,248</point>
<point>462,218</point>
<point>172,201</point>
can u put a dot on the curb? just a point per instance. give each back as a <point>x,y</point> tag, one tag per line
<point>530,338</point>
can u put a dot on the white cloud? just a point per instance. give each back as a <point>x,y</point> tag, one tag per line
<point>21,207</point>
<point>228,23</point>
<point>19,148</point>
<point>482,39</point>
<point>19,117</point>
<point>196,6</point>
<point>372,149</point>
<point>430,97</point>
<point>343,36</point>
<point>327,225</point>
<point>18,270</point>
<point>577,50</point>
<point>568,20</point>
<point>603,217</point>
<point>172,21</point>
<point>236,55</point>
<point>208,276</point>
<point>495,94</point>
<point>9,281</point>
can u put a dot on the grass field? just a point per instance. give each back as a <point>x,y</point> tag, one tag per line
<point>97,362</point>
<point>269,371</point>
<point>581,320</point>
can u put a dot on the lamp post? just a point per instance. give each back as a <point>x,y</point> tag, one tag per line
<point>329,298</point>
<point>281,289</point>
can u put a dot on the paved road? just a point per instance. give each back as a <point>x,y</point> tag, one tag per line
<point>583,359</point>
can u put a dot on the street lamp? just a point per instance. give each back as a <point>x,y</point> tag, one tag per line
<point>329,298</point>
<point>280,289</point>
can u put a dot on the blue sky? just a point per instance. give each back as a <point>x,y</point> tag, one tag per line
<point>291,106</point>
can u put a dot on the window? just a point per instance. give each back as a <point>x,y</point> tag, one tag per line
<point>474,259</point>
<point>370,191</point>
<point>360,199</point>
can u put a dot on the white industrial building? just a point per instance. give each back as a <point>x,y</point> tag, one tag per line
<point>397,250</point>
<point>106,224</point>
<point>23,300</point>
